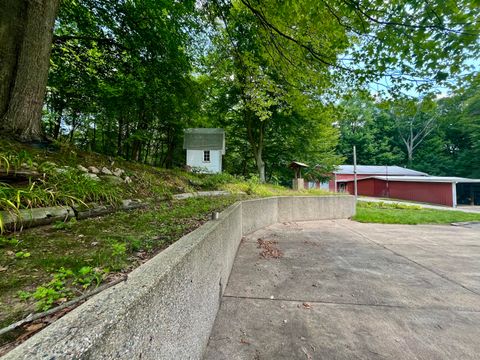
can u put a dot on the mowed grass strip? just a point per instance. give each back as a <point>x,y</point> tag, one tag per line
<point>383,213</point>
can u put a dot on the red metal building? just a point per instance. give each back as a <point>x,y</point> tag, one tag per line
<point>396,182</point>
<point>345,173</point>
<point>448,191</point>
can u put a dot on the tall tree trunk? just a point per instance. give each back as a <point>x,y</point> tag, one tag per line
<point>260,165</point>
<point>29,63</point>
<point>58,123</point>
<point>119,135</point>
<point>170,148</point>
<point>256,142</point>
<point>11,31</point>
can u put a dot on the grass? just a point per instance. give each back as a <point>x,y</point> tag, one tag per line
<point>63,259</point>
<point>45,266</point>
<point>397,213</point>
<point>253,187</point>
<point>60,182</point>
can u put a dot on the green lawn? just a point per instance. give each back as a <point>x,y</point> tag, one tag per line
<point>379,212</point>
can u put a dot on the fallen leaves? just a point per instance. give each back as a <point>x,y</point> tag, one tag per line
<point>269,249</point>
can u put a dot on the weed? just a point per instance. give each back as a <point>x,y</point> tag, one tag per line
<point>4,241</point>
<point>88,276</point>
<point>22,255</point>
<point>134,243</point>
<point>24,295</point>
<point>119,249</point>
<point>61,287</point>
<point>62,225</point>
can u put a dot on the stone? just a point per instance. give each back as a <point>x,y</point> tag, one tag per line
<point>130,204</point>
<point>93,170</point>
<point>61,170</point>
<point>106,171</point>
<point>112,179</point>
<point>128,180</point>
<point>118,172</point>
<point>92,210</point>
<point>92,176</point>
<point>82,168</point>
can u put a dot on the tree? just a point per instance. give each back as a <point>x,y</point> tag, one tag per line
<point>263,90</point>
<point>404,43</point>
<point>415,120</point>
<point>120,81</point>
<point>363,123</point>
<point>25,40</point>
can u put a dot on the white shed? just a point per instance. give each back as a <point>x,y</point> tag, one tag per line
<point>205,147</point>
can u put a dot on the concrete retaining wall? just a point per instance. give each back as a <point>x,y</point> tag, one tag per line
<point>166,308</point>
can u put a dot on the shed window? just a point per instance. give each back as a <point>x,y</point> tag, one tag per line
<point>206,156</point>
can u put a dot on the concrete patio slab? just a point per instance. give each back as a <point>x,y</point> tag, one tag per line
<point>345,290</point>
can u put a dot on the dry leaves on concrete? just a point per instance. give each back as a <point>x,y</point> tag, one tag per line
<point>307,305</point>
<point>269,249</point>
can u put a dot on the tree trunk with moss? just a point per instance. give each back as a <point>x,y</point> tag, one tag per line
<point>26,30</point>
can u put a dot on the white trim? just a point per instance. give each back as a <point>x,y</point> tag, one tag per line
<point>454,194</point>
<point>205,152</point>
<point>428,179</point>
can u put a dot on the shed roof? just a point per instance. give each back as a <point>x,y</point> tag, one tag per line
<point>297,164</point>
<point>431,179</point>
<point>379,170</point>
<point>204,139</point>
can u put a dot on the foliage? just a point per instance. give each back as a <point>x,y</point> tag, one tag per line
<point>64,225</point>
<point>22,255</point>
<point>446,131</point>
<point>364,124</point>
<point>384,205</point>
<point>64,187</point>
<point>91,250</point>
<point>60,287</point>
<point>254,187</point>
<point>120,77</point>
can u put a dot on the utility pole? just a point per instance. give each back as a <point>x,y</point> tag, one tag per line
<point>355,171</point>
<point>388,189</point>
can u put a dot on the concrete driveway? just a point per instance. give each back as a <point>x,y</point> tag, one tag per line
<point>345,290</point>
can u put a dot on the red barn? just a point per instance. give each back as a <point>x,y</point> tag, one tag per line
<point>344,173</point>
<point>406,184</point>
<point>448,191</point>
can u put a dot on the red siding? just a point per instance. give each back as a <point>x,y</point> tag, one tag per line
<point>435,193</point>
<point>351,176</point>
<point>346,177</point>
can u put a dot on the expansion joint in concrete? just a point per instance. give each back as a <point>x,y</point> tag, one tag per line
<point>319,302</point>
<point>412,261</point>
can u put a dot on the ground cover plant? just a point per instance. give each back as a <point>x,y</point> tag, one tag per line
<point>46,266</point>
<point>398,213</point>
<point>43,267</point>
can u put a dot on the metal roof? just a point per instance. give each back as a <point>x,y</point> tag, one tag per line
<point>297,164</point>
<point>378,170</point>
<point>436,179</point>
<point>204,139</point>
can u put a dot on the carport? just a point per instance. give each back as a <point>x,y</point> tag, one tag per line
<point>468,193</point>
